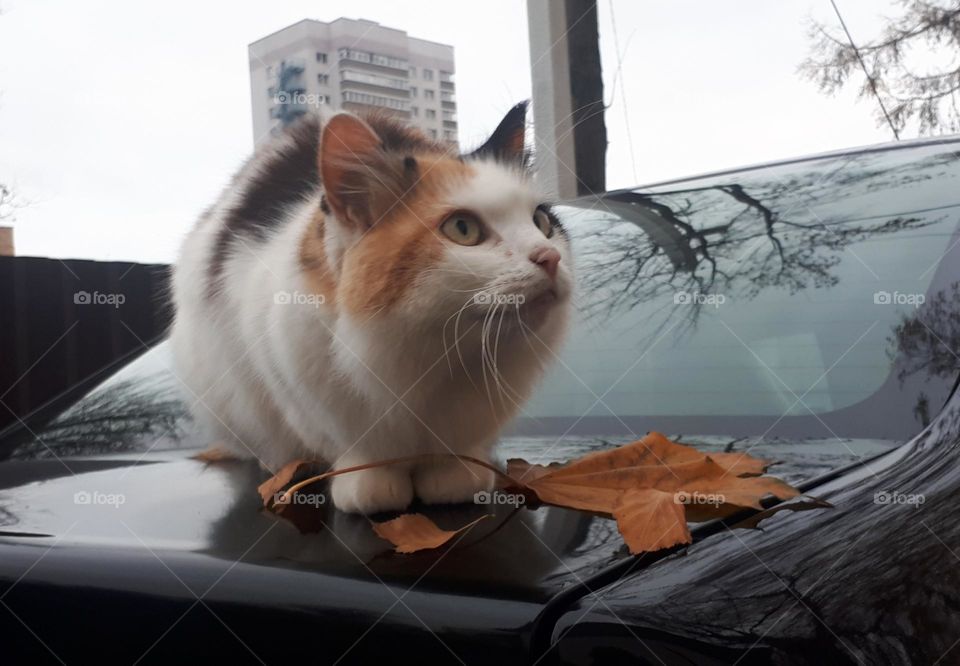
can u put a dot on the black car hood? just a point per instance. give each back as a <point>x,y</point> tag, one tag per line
<point>168,502</point>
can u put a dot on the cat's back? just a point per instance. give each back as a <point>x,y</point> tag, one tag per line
<point>256,203</point>
<point>230,249</point>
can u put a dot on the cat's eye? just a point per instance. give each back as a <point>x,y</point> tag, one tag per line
<point>463,228</point>
<point>542,220</point>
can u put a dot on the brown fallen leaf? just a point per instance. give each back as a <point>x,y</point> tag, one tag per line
<point>414,531</point>
<point>652,487</point>
<point>596,481</point>
<point>699,487</point>
<point>269,488</point>
<point>215,454</point>
<point>740,464</point>
<point>655,449</point>
<point>650,520</point>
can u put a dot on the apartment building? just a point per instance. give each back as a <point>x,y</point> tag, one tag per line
<point>351,65</point>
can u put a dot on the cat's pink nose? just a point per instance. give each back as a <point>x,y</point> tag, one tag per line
<point>546,258</point>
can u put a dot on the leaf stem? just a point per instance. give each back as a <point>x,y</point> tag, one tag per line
<point>396,461</point>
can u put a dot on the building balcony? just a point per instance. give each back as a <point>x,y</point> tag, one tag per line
<point>379,101</point>
<point>446,85</point>
<point>449,106</point>
<point>450,124</point>
<point>357,106</point>
<point>359,81</point>
<point>374,62</point>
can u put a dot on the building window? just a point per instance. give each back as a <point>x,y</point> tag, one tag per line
<point>269,71</point>
<point>428,94</point>
<point>413,72</point>
<point>433,133</point>
<point>449,135</point>
<point>414,111</point>
<point>373,79</point>
<point>323,79</point>
<point>374,100</point>
<point>375,58</point>
<point>427,74</point>
<point>413,91</point>
<point>322,57</point>
<point>431,113</point>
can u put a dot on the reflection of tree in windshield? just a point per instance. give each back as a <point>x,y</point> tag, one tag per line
<point>740,238</point>
<point>125,416</point>
<point>924,343</point>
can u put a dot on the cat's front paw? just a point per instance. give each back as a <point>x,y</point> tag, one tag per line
<point>451,482</point>
<point>372,490</point>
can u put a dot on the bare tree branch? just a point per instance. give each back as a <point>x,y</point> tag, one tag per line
<point>930,98</point>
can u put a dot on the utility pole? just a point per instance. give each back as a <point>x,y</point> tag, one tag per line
<point>570,137</point>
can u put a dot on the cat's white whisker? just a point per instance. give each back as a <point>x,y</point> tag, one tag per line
<point>446,350</point>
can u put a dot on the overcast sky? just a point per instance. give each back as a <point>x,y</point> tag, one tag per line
<point>121,121</point>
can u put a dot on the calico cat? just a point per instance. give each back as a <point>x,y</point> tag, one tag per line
<point>359,293</point>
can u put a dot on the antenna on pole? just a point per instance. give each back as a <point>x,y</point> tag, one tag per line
<point>863,66</point>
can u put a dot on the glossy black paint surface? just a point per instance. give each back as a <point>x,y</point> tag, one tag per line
<point>185,529</point>
<point>871,581</point>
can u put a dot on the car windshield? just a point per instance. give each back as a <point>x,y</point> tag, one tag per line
<point>807,300</point>
<point>803,298</point>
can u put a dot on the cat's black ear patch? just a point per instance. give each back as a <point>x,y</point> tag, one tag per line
<point>507,143</point>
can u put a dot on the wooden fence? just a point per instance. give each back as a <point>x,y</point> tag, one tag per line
<point>61,321</point>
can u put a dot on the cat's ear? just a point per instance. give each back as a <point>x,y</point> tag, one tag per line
<point>349,155</point>
<point>507,143</point>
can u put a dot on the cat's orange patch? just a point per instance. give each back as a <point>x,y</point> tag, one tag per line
<point>313,258</point>
<point>385,263</point>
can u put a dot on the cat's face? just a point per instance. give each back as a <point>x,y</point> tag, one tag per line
<point>505,258</point>
<point>469,244</point>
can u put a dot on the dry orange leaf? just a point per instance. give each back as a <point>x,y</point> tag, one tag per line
<point>614,482</point>
<point>215,454</point>
<point>650,520</point>
<point>414,531</point>
<point>652,487</point>
<point>740,464</point>
<point>269,488</point>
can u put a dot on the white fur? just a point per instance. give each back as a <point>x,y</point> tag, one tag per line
<point>282,381</point>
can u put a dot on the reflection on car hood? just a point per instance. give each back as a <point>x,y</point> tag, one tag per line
<point>166,501</point>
